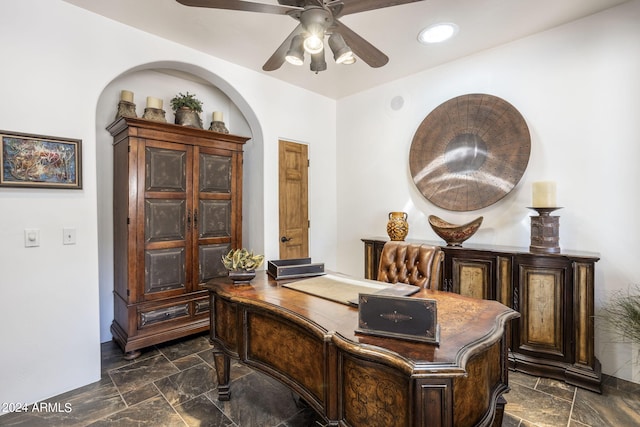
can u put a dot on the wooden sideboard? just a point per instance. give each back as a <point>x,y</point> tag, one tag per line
<point>311,345</point>
<point>554,293</point>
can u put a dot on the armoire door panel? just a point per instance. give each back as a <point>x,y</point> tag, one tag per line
<point>165,220</point>
<point>165,270</point>
<point>166,170</point>
<point>215,173</point>
<point>210,261</point>
<point>214,218</point>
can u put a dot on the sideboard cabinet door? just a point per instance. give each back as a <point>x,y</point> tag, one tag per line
<point>544,294</point>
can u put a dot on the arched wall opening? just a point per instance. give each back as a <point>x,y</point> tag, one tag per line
<point>164,80</point>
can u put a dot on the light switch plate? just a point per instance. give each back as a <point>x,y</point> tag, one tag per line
<point>68,236</point>
<point>31,237</point>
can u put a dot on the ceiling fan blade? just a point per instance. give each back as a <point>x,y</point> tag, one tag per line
<point>355,6</point>
<point>248,6</point>
<point>278,57</point>
<point>360,47</point>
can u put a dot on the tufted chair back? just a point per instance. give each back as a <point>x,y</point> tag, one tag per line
<point>414,264</point>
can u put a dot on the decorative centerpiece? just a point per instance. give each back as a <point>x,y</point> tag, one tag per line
<point>545,228</point>
<point>154,110</point>
<point>242,265</point>
<point>454,234</point>
<point>187,109</point>
<point>126,107</point>
<point>217,125</point>
<point>397,226</point>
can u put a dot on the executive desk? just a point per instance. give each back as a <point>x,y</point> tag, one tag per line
<point>310,344</point>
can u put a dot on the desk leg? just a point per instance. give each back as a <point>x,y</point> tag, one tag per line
<point>497,421</point>
<point>223,368</point>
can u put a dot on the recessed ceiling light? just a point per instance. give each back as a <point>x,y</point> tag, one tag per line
<point>437,33</point>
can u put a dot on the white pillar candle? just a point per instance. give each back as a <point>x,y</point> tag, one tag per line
<point>544,194</point>
<point>126,95</point>
<point>217,116</point>
<point>154,102</point>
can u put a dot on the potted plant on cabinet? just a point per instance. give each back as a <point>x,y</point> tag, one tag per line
<point>242,264</point>
<point>187,109</point>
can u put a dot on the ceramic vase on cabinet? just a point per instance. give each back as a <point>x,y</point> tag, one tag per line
<point>397,227</point>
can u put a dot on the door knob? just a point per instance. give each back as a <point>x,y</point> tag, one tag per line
<point>285,239</point>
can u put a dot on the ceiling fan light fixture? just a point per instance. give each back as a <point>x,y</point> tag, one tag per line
<point>350,60</point>
<point>341,52</point>
<point>295,54</point>
<point>313,44</point>
<point>318,62</point>
<point>437,33</point>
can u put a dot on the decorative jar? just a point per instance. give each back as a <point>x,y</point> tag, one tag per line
<point>397,226</point>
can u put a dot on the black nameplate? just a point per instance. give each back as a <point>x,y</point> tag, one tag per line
<point>414,319</point>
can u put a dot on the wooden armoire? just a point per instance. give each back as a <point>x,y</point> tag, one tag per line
<point>177,209</point>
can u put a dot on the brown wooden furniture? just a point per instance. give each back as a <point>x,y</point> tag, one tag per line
<point>310,344</point>
<point>414,264</point>
<point>554,293</point>
<point>177,197</point>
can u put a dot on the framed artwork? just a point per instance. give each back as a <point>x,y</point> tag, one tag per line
<point>40,161</point>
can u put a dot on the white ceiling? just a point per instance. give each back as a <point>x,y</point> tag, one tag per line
<point>249,38</point>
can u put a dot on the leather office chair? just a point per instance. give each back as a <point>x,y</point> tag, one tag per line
<point>414,264</point>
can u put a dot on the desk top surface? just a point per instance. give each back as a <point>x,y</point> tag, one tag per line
<point>467,325</point>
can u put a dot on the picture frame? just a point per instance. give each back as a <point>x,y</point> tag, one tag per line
<point>38,161</point>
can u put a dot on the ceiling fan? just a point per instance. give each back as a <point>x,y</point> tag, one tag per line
<point>318,19</point>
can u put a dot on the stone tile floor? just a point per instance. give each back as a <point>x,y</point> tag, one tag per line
<point>173,384</point>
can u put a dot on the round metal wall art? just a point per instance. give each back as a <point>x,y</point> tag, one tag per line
<point>469,152</point>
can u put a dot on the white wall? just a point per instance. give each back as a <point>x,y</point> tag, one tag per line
<point>58,65</point>
<point>577,87</point>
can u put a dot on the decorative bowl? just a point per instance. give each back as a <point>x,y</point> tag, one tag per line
<point>454,234</point>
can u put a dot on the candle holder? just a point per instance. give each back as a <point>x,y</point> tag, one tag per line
<point>126,109</point>
<point>218,127</point>
<point>545,230</point>
<point>155,114</point>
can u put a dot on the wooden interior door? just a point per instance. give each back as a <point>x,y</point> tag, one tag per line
<point>293,200</point>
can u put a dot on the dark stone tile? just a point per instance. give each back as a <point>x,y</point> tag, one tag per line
<point>187,384</point>
<point>305,417</point>
<point>207,356</point>
<point>510,421</point>
<point>142,372</point>
<point>239,370</point>
<point>184,347</point>
<point>78,407</point>
<point>557,388</point>
<point>202,412</point>
<point>112,357</point>
<point>535,407</point>
<point>188,361</point>
<point>154,412</point>
<point>257,400</point>
<point>614,408</point>
<point>523,379</point>
<point>140,394</point>
<point>620,384</point>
